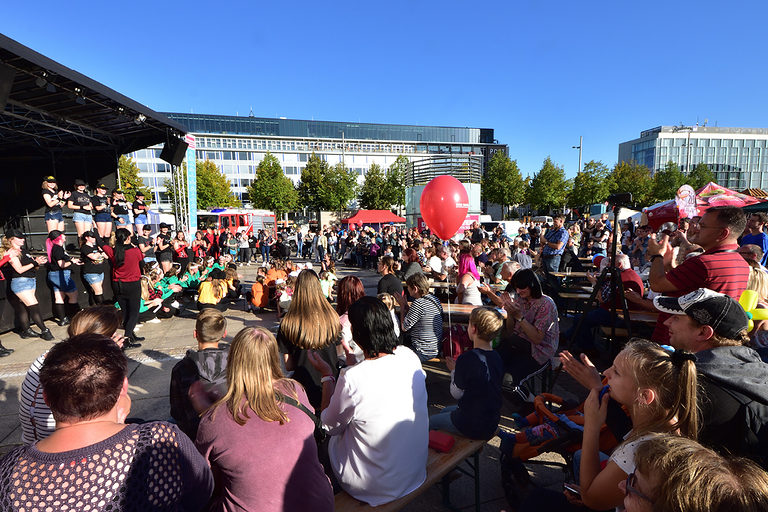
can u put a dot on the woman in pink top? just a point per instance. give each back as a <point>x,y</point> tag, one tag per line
<point>261,448</point>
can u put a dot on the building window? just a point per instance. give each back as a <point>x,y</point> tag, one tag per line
<point>303,157</point>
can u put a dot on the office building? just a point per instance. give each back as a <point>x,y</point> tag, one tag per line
<point>237,145</point>
<point>737,156</point>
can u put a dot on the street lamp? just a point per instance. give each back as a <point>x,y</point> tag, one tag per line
<point>581,138</point>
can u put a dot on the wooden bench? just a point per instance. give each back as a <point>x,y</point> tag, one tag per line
<point>439,467</point>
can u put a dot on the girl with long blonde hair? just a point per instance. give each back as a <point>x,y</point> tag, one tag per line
<point>310,324</point>
<point>261,414</point>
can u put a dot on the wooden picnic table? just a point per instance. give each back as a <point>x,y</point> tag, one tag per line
<point>459,313</point>
<point>572,274</point>
<point>443,284</point>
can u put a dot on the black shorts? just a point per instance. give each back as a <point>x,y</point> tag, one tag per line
<point>165,256</point>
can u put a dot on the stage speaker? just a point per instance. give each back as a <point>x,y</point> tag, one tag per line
<point>174,150</point>
<point>7,74</point>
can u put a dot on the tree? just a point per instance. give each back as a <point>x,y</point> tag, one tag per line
<point>312,183</point>
<point>666,181</point>
<point>213,188</point>
<point>374,193</point>
<point>591,185</point>
<point>700,176</point>
<point>396,181</point>
<point>502,182</point>
<point>549,188</point>
<point>341,187</point>
<point>633,178</point>
<point>129,179</point>
<point>273,190</point>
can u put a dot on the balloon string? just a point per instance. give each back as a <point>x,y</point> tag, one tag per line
<point>450,325</point>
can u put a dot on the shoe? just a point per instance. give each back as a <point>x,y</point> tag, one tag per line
<point>5,351</point>
<point>47,335</point>
<point>138,338</point>
<point>175,304</point>
<point>64,321</point>
<point>154,321</point>
<point>130,342</point>
<point>29,333</point>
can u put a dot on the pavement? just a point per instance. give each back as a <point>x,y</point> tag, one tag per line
<point>166,343</point>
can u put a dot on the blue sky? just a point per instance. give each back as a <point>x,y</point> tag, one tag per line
<point>539,73</point>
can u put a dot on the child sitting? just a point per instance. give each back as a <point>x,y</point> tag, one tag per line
<point>475,382</point>
<point>284,293</point>
<point>259,294</point>
<point>327,280</point>
<point>212,290</point>
<point>389,301</point>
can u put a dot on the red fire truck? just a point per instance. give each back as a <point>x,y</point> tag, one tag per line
<point>236,220</point>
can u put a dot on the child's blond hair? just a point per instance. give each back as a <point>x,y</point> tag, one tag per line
<point>487,321</point>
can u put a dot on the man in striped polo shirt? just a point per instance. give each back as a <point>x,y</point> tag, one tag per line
<point>719,268</point>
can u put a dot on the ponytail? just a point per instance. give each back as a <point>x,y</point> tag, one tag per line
<point>121,235</point>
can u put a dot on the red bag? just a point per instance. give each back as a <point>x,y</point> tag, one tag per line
<point>456,341</point>
<point>440,441</point>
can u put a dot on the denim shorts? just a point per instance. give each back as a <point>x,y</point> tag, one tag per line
<point>93,278</point>
<point>22,284</point>
<point>140,219</point>
<point>54,216</point>
<point>61,281</point>
<point>103,217</point>
<point>81,217</point>
<point>122,221</point>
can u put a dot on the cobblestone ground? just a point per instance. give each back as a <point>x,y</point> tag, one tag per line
<point>149,376</point>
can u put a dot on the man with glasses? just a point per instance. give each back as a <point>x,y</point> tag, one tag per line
<point>719,267</point>
<point>756,235</point>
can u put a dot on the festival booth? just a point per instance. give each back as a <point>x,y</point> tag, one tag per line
<point>373,218</point>
<point>688,203</point>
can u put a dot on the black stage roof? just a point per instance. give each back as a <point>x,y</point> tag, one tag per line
<point>52,108</point>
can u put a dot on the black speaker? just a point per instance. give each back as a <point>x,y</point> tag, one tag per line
<point>174,150</point>
<point>7,74</point>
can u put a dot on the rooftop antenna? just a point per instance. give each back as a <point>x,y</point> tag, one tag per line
<point>251,114</point>
<point>705,121</point>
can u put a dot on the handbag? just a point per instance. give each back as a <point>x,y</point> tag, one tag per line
<point>320,434</point>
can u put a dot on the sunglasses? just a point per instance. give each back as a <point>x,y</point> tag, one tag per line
<point>630,488</point>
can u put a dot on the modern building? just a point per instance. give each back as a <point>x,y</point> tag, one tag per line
<point>737,156</point>
<point>238,144</point>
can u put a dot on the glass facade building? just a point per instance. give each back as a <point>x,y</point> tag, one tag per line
<point>737,156</point>
<point>237,145</point>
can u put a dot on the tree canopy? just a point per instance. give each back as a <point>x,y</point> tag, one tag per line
<point>549,188</point>
<point>373,192</point>
<point>213,188</point>
<point>502,182</point>
<point>591,185</point>
<point>633,178</point>
<point>666,181</point>
<point>700,176</point>
<point>272,189</point>
<point>341,187</point>
<point>311,184</point>
<point>326,188</point>
<point>396,181</point>
<point>130,182</point>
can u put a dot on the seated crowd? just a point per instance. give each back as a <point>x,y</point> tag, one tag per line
<point>337,399</point>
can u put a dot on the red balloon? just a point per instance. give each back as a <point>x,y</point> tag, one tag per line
<point>444,204</point>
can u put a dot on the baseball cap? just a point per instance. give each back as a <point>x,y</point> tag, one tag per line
<point>163,225</point>
<point>50,179</point>
<point>719,311</point>
<point>146,227</point>
<point>79,182</point>
<point>139,193</point>
<point>89,234</point>
<point>14,233</point>
<point>101,185</point>
<point>53,235</point>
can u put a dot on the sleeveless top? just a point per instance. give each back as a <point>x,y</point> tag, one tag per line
<point>472,294</point>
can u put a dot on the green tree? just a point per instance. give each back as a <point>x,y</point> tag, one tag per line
<point>341,187</point>
<point>666,181</point>
<point>633,178</point>
<point>130,182</point>
<point>396,182</point>
<point>213,188</point>
<point>700,176</point>
<point>502,182</point>
<point>312,183</point>
<point>373,192</point>
<point>591,185</point>
<point>273,190</point>
<point>549,188</point>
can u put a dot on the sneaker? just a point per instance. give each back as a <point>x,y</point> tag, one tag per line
<point>64,321</point>
<point>29,333</point>
<point>154,321</point>
<point>47,335</point>
<point>175,304</point>
<point>129,342</point>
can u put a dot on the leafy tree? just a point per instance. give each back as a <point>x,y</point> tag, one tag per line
<point>591,185</point>
<point>213,188</point>
<point>273,190</point>
<point>129,179</point>
<point>396,181</point>
<point>633,178</point>
<point>666,181</point>
<point>312,183</point>
<point>549,188</point>
<point>373,193</point>
<point>700,176</point>
<point>341,187</point>
<point>502,182</point>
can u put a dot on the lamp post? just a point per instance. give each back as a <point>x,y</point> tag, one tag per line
<point>581,138</point>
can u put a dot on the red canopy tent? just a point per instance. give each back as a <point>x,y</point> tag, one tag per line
<point>368,217</point>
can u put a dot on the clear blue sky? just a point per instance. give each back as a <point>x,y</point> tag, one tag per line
<point>539,73</point>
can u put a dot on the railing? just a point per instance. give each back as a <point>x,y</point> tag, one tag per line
<point>465,168</point>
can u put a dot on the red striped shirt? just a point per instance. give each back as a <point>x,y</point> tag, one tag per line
<point>717,269</point>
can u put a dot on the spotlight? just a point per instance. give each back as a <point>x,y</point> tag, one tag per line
<point>40,82</point>
<point>140,119</point>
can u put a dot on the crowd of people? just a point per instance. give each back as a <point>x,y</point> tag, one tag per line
<point>336,399</point>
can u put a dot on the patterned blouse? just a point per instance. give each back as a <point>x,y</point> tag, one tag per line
<point>542,314</point>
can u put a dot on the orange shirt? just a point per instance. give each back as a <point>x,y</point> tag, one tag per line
<point>260,297</point>
<point>272,276</point>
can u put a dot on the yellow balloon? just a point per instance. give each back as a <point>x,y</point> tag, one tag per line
<point>759,314</point>
<point>748,300</point>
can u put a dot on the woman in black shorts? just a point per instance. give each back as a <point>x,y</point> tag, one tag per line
<point>102,211</point>
<point>54,199</point>
<point>120,211</point>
